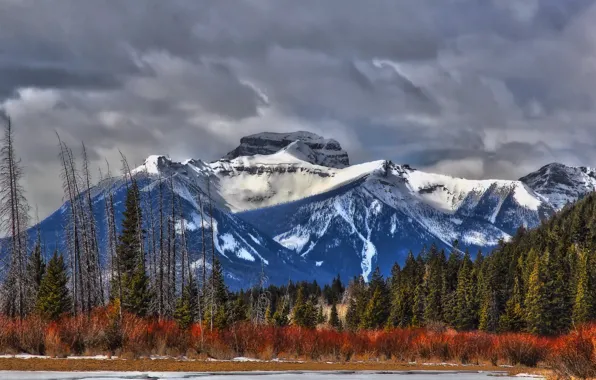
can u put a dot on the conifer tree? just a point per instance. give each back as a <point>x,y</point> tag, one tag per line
<point>281,315</point>
<point>186,306</point>
<point>320,315</point>
<point>375,315</point>
<point>403,292</point>
<point>334,317</point>
<point>131,258</point>
<point>536,299</point>
<point>305,314</point>
<point>464,296</point>
<point>433,311</point>
<point>53,298</point>
<point>513,318</point>
<point>583,306</point>
<point>36,268</point>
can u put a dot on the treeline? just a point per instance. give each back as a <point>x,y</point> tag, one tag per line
<point>543,281</point>
<point>143,267</point>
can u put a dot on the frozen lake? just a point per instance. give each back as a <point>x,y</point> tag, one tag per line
<point>417,375</point>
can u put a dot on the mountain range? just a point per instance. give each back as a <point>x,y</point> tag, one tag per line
<point>291,206</point>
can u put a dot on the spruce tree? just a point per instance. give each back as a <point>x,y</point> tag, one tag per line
<point>53,298</point>
<point>36,268</point>
<point>536,299</point>
<point>281,315</point>
<point>305,314</point>
<point>375,315</point>
<point>403,293</point>
<point>435,280</point>
<point>464,316</point>
<point>185,312</point>
<point>131,257</point>
<point>334,317</point>
<point>583,306</point>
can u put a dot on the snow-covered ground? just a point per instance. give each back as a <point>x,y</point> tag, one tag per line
<point>414,375</point>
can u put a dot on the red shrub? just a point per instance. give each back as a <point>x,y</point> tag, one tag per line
<point>433,346</point>
<point>468,347</point>
<point>395,343</point>
<point>575,354</point>
<point>522,349</point>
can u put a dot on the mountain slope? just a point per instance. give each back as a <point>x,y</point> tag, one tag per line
<point>562,184</point>
<point>281,210</point>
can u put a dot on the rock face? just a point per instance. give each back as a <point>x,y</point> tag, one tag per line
<point>327,152</point>
<point>562,184</point>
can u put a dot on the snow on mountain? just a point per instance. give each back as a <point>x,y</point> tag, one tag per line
<point>289,207</point>
<point>562,184</point>
<point>325,152</point>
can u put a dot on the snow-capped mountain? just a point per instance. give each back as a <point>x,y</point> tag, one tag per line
<point>292,205</point>
<point>562,184</point>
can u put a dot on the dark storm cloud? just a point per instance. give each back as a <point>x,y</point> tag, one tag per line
<point>481,88</point>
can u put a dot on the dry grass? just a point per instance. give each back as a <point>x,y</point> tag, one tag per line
<point>167,365</point>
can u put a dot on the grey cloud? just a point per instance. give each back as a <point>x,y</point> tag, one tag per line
<point>475,87</point>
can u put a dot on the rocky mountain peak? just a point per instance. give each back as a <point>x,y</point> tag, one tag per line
<point>561,184</point>
<point>325,152</point>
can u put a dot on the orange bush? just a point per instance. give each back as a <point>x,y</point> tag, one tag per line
<point>103,332</point>
<point>575,354</point>
<point>524,349</point>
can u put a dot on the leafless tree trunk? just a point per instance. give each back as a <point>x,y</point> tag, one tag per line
<point>14,214</point>
<point>70,191</point>
<point>212,290</point>
<point>112,236</point>
<point>161,251</point>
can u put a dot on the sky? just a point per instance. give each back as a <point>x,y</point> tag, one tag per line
<point>472,88</point>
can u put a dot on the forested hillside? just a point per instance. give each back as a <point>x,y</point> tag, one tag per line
<point>542,281</point>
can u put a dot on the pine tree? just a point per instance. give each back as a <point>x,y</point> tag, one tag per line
<point>464,316</point>
<point>320,315</point>
<point>536,299</point>
<point>281,315</point>
<point>305,314</point>
<point>186,306</point>
<point>53,298</point>
<point>433,311</point>
<point>584,300</point>
<point>131,258</point>
<point>36,268</point>
<point>513,318</point>
<point>403,292</point>
<point>375,315</point>
<point>357,303</point>
<point>239,310</point>
<point>334,317</point>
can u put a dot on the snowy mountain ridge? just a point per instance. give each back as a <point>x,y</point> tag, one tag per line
<point>299,213</point>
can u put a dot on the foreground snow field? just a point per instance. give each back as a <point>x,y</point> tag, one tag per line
<point>414,375</point>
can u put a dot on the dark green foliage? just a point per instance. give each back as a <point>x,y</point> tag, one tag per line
<point>53,298</point>
<point>36,268</point>
<point>281,316</point>
<point>305,313</point>
<point>186,306</point>
<point>376,313</point>
<point>131,258</point>
<point>463,299</point>
<point>334,317</point>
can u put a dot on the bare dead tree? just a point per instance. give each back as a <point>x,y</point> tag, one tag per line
<point>161,251</point>
<point>72,226</point>
<point>96,281</point>
<point>212,290</point>
<point>115,268</point>
<point>14,214</point>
